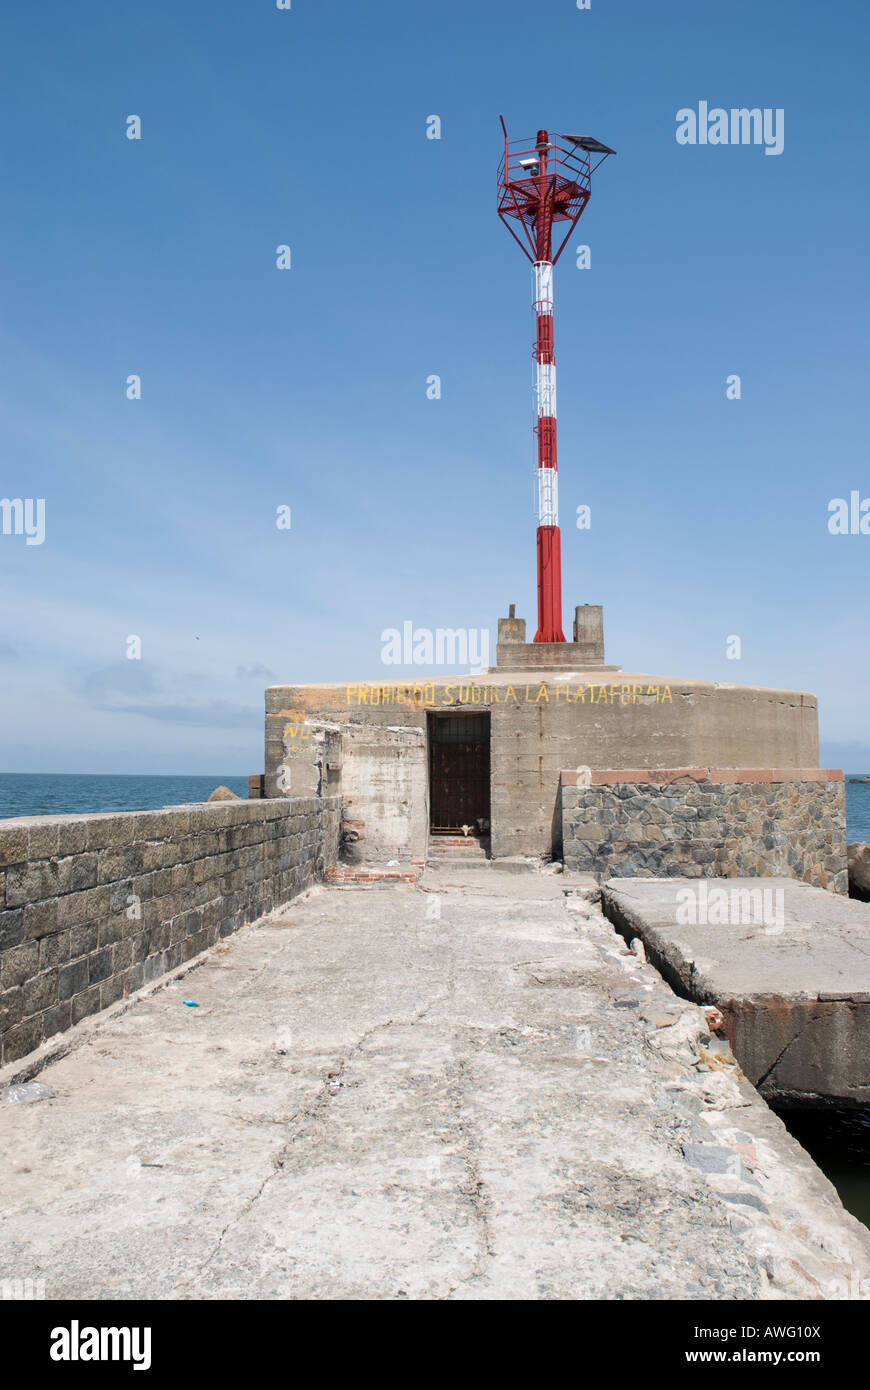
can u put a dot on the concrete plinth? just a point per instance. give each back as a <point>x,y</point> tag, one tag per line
<point>585,653</point>
<point>789,968</point>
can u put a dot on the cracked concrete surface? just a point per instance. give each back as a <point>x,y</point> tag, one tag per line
<point>377,1097</point>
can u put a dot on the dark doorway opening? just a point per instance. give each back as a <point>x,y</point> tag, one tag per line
<point>458,773</point>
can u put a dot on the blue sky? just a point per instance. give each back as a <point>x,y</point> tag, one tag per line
<point>307,387</point>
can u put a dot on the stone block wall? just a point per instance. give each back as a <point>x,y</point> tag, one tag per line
<point>93,907</point>
<point>706,822</point>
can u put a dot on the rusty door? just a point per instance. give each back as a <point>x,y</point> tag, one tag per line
<point>458,770</point>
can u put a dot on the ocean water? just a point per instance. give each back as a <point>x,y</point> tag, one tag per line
<point>47,794</point>
<point>857,808</point>
<point>838,1141</point>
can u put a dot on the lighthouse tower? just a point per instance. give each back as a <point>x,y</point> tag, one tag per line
<point>543,188</point>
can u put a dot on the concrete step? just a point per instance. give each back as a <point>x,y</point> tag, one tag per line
<point>515,864</point>
<point>458,849</point>
<point>509,864</point>
<point>459,841</point>
<point>459,861</point>
<point>436,852</point>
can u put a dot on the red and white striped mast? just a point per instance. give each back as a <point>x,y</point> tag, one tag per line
<point>541,184</point>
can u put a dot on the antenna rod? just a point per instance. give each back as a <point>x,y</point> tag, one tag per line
<point>549,543</point>
<point>539,185</point>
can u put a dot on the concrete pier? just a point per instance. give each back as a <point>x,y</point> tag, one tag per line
<point>787,964</point>
<point>466,1089</point>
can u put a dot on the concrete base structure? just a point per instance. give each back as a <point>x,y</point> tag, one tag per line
<point>543,711</point>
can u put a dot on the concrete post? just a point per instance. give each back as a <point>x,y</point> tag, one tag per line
<point>589,630</point>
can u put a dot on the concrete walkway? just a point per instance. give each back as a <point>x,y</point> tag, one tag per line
<point>469,1089</point>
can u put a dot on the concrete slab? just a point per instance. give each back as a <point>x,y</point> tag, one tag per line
<point>788,965</point>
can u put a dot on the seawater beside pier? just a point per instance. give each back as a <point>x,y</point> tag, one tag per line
<point>837,1138</point>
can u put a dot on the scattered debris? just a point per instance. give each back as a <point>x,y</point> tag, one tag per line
<point>26,1092</point>
<point>624,999</point>
<point>661,1018</point>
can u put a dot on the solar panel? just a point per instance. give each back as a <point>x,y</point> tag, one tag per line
<point>586,142</point>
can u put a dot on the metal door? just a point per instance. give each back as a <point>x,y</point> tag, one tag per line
<point>458,771</point>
